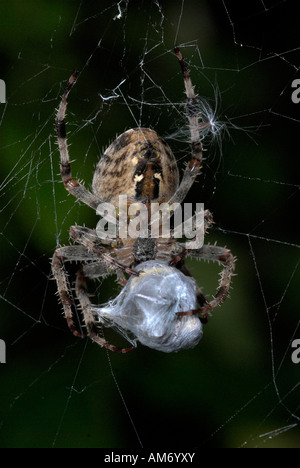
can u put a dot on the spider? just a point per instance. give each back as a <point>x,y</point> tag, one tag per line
<point>141,165</point>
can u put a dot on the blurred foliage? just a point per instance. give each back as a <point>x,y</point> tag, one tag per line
<point>61,391</point>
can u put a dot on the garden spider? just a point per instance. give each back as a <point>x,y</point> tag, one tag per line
<point>141,165</point>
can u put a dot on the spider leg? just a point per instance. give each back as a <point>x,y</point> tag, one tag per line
<point>62,254</point>
<point>207,222</point>
<point>224,257</point>
<point>200,297</point>
<point>92,325</point>
<point>192,111</point>
<point>178,261</point>
<point>88,238</point>
<point>73,187</point>
<point>79,253</point>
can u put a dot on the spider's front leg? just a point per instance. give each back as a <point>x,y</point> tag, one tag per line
<point>88,238</point>
<point>92,324</point>
<point>62,255</point>
<point>227,260</point>
<point>81,254</point>
<point>205,224</point>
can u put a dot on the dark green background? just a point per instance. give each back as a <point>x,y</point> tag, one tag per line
<point>239,386</point>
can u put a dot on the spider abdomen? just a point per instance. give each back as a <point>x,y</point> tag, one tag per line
<point>138,164</point>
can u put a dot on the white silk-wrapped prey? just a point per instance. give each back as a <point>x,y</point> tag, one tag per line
<point>147,308</point>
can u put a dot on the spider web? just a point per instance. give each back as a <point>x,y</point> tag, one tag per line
<point>239,387</point>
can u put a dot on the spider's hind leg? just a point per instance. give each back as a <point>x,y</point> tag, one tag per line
<point>193,168</point>
<point>74,187</point>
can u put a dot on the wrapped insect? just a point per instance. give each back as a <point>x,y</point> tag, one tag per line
<point>149,307</point>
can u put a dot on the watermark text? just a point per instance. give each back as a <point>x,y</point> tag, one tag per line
<point>158,220</point>
<point>2,92</point>
<point>2,352</point>
<point>296,93</point>
<point>296,354</point>
<point>152,457</point>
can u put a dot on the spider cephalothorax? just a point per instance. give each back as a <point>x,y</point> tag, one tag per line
<point>141,166</point>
